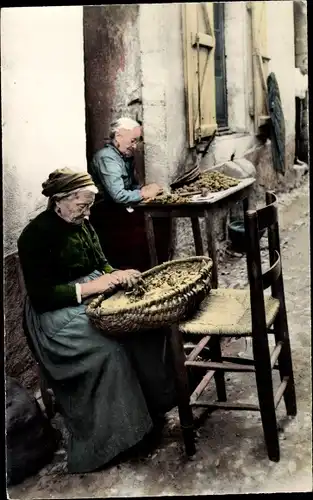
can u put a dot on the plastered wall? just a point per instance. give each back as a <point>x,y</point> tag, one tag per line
<point>43,106</point>
<point>160,32</point>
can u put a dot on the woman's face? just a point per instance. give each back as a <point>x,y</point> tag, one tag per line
<point>75,207</point>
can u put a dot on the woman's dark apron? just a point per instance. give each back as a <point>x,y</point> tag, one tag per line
<point>107,390</point>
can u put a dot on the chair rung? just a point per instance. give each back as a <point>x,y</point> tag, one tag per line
<point>276,353</point>
<point>280,391</point>
<point>241,361</point>
<point>202,385</point>
<point>226,406</point>
<point>189,345</point>
<point>198,348</point>
<point>213,365</point>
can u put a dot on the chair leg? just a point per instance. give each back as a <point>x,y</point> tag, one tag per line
<point>285,363</point>
<point>219,376</point>
<point>47,398</point>
<point>263,375</point>
<point>184,408</point>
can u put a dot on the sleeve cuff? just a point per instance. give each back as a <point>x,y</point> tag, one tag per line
<point>108,269</point>
<point>78,293</point>
<point>139,195</point>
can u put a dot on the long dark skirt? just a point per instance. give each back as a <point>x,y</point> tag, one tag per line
<point>123,238</point>
<point>108,391</point>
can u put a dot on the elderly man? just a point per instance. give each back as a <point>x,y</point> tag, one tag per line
<point>112,169</point>
<point>110,392</point>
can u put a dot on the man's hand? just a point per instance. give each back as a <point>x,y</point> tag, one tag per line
<point>127,278</point>
<point>151,190</point>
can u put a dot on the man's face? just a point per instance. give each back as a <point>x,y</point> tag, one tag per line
<point>76,206</point>
<point>127,140</point>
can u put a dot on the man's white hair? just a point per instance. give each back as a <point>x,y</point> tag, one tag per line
<point>125,123</point>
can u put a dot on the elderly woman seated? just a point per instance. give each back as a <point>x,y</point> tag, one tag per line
<point>113,169</point>
<point>109,392</point>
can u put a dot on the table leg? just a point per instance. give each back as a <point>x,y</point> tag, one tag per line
<point>151,240</point>
<point>209,222</point>
<point>170,251</point>
<point>247,204</point>
<point>197,235</point>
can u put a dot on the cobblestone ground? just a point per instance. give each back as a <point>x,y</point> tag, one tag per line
<point>231,456</point>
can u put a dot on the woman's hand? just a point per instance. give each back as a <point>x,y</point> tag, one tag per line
<point>109,281</point>
<point>127,278</point>
<point>104,283</point>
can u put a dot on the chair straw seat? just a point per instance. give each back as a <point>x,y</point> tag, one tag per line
<point>227,311</point>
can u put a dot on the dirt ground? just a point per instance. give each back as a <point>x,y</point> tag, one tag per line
<point>231,455</point>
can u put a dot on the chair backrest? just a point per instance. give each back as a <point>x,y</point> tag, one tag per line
<point>20,275</point>
<point>256,221</point>
<point>21,281</point>
<point>28,337</point>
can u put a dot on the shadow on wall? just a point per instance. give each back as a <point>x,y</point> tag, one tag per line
<point>108,67</point>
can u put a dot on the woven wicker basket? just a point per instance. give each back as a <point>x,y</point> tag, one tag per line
<point>171,306</point>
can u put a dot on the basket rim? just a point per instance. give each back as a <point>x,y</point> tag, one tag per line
<point>94,312</point>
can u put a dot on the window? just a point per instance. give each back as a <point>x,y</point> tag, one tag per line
<point>205,67</point>
<point>220,67</point>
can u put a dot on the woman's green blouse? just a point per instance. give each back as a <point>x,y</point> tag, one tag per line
<point>53,253</point>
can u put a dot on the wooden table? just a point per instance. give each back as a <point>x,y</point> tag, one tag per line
<point>194,210</point>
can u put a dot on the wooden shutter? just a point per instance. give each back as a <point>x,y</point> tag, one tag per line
<point>199,43</point>
<point>260,60</point>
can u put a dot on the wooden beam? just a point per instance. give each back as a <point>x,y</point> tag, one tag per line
<point>207,11</point>
<point>263,79</point>
<point>205,40</point>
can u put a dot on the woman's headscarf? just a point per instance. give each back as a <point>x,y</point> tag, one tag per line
<point>62,182</point>
<point>65,180</point>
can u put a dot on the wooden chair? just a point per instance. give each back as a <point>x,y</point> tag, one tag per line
<point>233,312</point>
<point>45,390</point>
